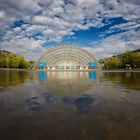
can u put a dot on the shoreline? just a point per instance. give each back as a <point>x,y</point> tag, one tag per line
<point>12,69</point>
<point>113,70</point>
<point>122,70</point>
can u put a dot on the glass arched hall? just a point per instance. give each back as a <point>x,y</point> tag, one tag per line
<point>66,57</point>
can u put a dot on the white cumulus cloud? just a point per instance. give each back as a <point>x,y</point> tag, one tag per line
<point>57,19</point>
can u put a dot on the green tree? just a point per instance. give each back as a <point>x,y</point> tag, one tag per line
<point>136,59</point>
<point>31,64</point>
<point>127,59</point>
<point>22,63</point>
<point>112,63</point>
<point>13,61</point>
<point>10,60</point>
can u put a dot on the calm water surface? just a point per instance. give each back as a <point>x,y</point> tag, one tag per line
<point>69,105</point>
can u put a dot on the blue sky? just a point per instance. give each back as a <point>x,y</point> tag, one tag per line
<point>103,27</point>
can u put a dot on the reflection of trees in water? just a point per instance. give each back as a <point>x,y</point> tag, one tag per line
<point>129,79</point>
<point>11,77</point>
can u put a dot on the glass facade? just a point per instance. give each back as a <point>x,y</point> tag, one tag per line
<point>66,57</point>
<point>92,64</point>
<point>42,64</point>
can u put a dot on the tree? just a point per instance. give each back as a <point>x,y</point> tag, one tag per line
<point>31,64</point>
<point>127,59</point>
<point>22,63</point>
<point>112,63</point>
<point>136,59</point>
<point>10,60</point>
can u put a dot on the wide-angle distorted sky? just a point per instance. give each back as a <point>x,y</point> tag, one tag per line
<point>103,27</point>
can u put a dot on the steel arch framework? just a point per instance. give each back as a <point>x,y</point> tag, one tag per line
<point>66,57</point>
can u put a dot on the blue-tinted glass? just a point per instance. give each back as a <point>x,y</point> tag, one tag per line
<point>92,75</point>
<point>42,64</point>
<point>92,64</point>
<point>42,75</point>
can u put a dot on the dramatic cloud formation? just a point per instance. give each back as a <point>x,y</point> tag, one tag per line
<point>105,27</point>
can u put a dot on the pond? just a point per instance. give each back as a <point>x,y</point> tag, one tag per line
<point>40,105</point>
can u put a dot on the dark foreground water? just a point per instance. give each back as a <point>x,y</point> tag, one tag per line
<point>69,105</point>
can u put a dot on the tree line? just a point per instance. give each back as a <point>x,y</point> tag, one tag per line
<point>127,60</point>
<point>10,60</point>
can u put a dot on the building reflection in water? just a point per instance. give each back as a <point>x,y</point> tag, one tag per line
<point>67,82</point>
<point>70,105</point>
<point>92,75</point>
<point>43,75</point>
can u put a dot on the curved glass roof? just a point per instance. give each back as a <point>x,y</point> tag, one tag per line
<point>66,54</point>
